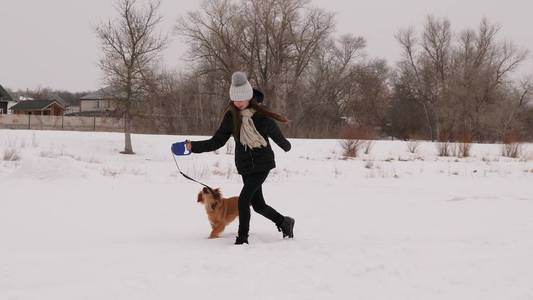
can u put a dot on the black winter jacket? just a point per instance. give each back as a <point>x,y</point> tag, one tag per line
<point>247,160</point>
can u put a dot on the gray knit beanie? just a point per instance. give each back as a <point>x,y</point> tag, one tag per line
<point>240,88</point>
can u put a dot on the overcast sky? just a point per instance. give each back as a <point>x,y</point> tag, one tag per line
<point>51,43</point>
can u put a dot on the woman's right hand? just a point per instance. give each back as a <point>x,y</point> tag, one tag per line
<point>188,145</point>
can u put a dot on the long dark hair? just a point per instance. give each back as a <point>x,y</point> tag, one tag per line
<point>259,108</point>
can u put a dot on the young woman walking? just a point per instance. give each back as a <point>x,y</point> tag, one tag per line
<point>251,125</point>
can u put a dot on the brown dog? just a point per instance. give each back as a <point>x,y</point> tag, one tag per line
<point>220,211</point>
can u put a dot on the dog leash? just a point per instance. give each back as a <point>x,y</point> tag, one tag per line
<point>188,177</point>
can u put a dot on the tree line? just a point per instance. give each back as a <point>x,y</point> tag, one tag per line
<point>449,84</point>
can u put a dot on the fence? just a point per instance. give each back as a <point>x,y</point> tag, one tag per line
<point>61,123</point>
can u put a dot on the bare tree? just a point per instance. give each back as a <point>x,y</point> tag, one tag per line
<point>371,94</point>
<point>412,79</point>
<point>328,89</point>
<point>458,80</point>
<point>513,113</point>
<point>131,46</point>
<point>273,41</point>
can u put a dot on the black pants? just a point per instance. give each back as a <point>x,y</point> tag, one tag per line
<point>252,193</point>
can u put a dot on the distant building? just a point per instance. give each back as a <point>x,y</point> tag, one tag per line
<point>39,107</point>
<point>100,103</point>
<point>57,98</point>
<point>6,101</point>
<point>72,109</point>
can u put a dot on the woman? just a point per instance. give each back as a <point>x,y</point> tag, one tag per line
<point>251,124</point>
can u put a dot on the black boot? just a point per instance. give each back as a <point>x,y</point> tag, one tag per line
<point>241,240</point>
<point>287,227</point>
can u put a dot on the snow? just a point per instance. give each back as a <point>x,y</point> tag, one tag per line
<point>78,220</point>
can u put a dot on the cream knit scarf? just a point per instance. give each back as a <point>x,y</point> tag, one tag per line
<point>249,136</point>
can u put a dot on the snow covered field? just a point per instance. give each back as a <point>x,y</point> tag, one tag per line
<point>80,221</point>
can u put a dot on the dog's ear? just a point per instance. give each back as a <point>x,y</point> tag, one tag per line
<point>200,198</point>
<point>217,195</point>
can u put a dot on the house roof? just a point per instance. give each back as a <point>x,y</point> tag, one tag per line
<point>4,95</point>
<point>107,93</point>
<point>57,98</point>
<point>35,104</point>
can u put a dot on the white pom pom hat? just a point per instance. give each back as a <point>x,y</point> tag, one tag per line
<point>240,89</point>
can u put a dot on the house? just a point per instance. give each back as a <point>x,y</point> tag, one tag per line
<point>100,103</point>
<point>72,109</point>
<point>6,101</point>
<point>39,107</point>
